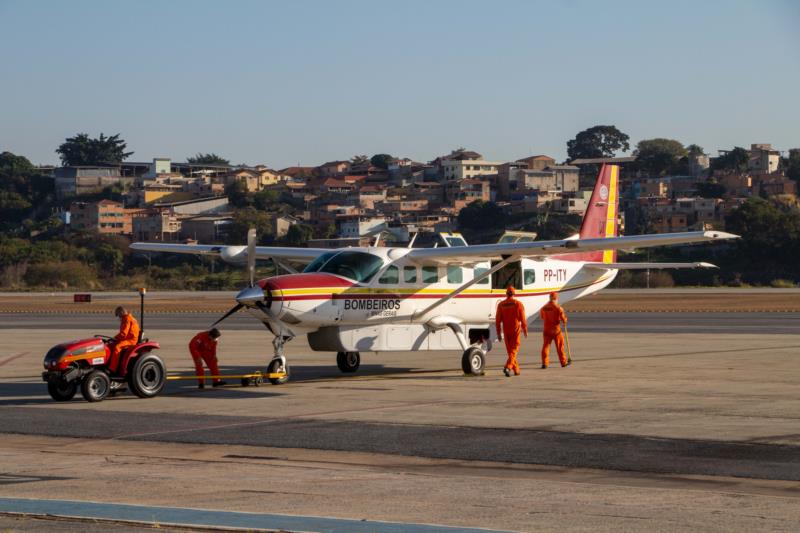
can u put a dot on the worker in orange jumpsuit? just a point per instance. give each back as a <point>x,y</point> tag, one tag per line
<point>511,316</point>
<point>552,316</point>
<point>203,348</point>
<point>128,336</point>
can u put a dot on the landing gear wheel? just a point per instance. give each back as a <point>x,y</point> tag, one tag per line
<point>257,381</point>
<point>147,376</point>
<point>473,361</point>
<point>348,362</point>
<point>95,386</point>
<point>245,382</point>
<point>274,367</point>
<point>62,391</point>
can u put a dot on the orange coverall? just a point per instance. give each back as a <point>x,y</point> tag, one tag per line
<point>511,315</point>
<point>552,315</point>
<point>128,336</point>
<point>204,348</point>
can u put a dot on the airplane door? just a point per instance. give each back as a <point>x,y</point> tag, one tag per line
<point>511,274</point>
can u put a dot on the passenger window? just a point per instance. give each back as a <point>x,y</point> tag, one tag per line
<point>478,272</point>
<point>530,277</point>
<point>430,274</point>
<point>454,274</point>
<point>410,274</point>
<point>391,275</point>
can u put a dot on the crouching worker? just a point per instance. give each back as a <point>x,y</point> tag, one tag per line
<point>203,348</point>
<point>128,336</point>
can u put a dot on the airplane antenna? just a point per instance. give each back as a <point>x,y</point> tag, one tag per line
<point>413,238</point>
<point>377,240</point>
<point>251,255</point>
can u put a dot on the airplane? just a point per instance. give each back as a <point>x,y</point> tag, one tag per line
<point>383,298</point>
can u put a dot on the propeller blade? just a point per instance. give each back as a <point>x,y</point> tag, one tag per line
<point>233,310</point>
<point>251,255</point>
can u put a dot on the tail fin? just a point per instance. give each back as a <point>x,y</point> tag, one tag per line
<point>600,220</point>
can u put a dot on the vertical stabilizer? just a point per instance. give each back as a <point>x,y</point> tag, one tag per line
<point>600,220</point>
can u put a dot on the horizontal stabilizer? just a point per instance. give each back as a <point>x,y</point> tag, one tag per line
<point>647,266</point>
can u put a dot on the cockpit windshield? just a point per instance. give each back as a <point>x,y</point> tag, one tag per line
<point>358,266</point>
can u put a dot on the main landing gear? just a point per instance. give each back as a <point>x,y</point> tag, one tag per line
<point>348,362</point>
<point>473,361</point>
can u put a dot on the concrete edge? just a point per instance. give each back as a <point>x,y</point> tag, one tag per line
<point>213,519</point>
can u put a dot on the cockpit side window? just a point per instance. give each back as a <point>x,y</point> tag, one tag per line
<point>390,276</point>
<point>317,263</point>
<point>358,266</point>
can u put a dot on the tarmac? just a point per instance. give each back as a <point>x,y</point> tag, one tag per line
<point>679,421</point>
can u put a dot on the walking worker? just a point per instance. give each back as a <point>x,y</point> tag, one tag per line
<point>128,335</point>
<point>552,316</point>
<point>511,316</point>
<point>203,348</point>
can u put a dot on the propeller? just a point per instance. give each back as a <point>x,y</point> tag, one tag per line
<point>251,255</point>
<point>232,310</point>
<point>248,295</point>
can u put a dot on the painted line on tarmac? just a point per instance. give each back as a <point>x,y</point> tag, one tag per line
<point>13,357</point>
<point>186,517</point>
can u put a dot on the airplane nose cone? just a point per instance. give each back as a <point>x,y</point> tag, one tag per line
<point>250,296</point>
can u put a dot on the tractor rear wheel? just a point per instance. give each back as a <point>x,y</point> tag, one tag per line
<point>62,391</point>
<point>95,386</point>
<point>148,375</point>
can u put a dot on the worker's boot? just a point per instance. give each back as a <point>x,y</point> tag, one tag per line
<point>544,367</point>
<point>507,372</point>
<point>201,385</point>
<point>219,383</point>
<point>569,362</point>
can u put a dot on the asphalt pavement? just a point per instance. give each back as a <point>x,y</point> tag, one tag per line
<point>660,323</point>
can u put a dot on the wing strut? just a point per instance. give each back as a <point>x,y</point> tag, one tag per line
<point>465,286</point>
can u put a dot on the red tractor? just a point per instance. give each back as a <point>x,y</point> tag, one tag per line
<point>86,364</point>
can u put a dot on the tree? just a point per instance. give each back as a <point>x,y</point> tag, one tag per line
<point>480,215</point>
<point>236,191</point>
<point>359,160</point>
<point>381,160</point>
<point>695,150</point>
<point>265,199</point>
<point>710,189</point>
<point>659,156</point>
<point>735,160</point>
<point>298,234</point>
<point>770,245</point>
<point>597,141</point>
<point>207,159</point>
<point>792,164</point>
<point>249,217</point>
<point>83,150</point>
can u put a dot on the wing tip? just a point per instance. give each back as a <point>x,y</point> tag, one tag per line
<point>720,235</point>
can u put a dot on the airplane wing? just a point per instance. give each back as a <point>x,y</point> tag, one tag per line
<point>234,254</point>
<point>646,266</point>
<point>485,252</point>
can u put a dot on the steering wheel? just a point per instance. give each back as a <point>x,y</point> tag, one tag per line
<point>105,338</point>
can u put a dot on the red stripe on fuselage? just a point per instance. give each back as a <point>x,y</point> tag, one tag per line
<point>311,280</point>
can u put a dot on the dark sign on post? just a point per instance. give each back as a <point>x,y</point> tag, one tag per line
<point>82,298</point>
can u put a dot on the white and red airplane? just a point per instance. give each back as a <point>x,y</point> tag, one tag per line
<point>374,299</point>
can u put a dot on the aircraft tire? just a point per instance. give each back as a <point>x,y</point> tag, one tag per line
<point>272,368</point>
<point>348,362</point>
<point>473,361</point>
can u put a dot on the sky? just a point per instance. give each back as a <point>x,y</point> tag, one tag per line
<point>284,83</point>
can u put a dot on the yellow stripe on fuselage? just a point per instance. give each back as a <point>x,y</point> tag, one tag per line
<point>324,292</point>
